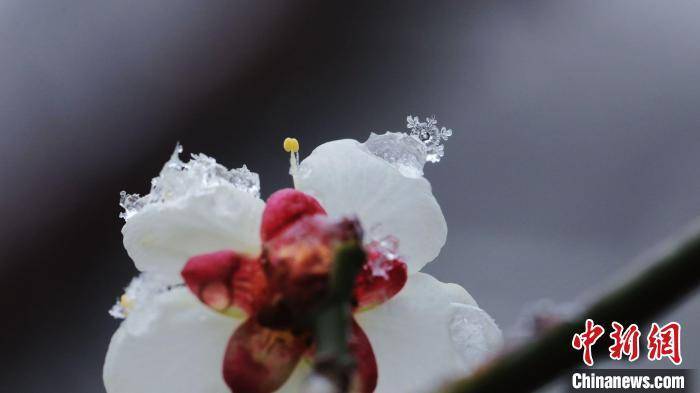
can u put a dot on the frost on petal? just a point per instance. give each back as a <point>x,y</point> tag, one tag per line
<point>348,179</point>
<point>179,179</point>
<point>193,208</point>
<point>382,276</point>
<point>404,152</point>
<point>474,333</point>
<point>408,152</point>
<point>179,351</point>
<point>138,294</point>
<point>412,335</point>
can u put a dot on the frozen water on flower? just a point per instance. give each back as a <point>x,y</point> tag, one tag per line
<point>178,179</point>
<point>137,293</point>
<point>118,311</point>
<point>474,334</point>
<point>403,151</point>
<point>388,249</point>
<point>131,203</point>
<point>430,135</point>
<point>388,246</point>
<point>408,152</point>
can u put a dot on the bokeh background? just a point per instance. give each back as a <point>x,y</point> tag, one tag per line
<point>576,141</point>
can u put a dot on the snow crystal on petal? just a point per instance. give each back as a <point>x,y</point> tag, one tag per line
<point>404,152</point>
<point>178,179</point>
<point>141,289</point>
<point>387,246</point>
<point>430,135</point>
<point>408,152</point>
<point>118,311</point>
<point>474,334</point>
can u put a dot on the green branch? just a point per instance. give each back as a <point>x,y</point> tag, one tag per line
<point>672,276</point>
<point>333,361</point>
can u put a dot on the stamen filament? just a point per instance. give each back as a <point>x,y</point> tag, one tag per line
<point>291,145</point>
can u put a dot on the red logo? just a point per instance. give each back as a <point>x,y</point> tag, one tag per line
<point>625,342</point>
<point>586,340</point>
<point>665,342</point>
<point>662,342</point>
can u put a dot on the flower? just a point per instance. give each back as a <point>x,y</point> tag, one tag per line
<point>175,339</point>
<point>279,290</point>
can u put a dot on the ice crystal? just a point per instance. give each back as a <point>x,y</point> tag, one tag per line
<point>131,203</point>
<point>466,328</point>
<point>474,333</point>
<point>408,152</point>
<point>403,151</point>
<point>178,179</point>
<point>118,311</point>
<point>430,134</point>
<point>387,249</point>
<point>387,246</point>
<point>137,293</point>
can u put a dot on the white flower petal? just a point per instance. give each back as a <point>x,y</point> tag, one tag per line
<point>176,345</point>
<point>474,334</point>
<point>429,333</point>
<point>348,179</point>
<point>162,237</point>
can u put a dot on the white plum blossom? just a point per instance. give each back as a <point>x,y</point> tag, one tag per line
<point>173,340</point>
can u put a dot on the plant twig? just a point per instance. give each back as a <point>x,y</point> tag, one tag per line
<point>334,364</point>
<point>671,277</point>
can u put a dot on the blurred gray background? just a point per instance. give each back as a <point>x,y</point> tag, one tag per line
<point>576,142</point>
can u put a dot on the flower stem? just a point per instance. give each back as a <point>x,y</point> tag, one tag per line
<point>672,276</point>
<point>333,361</point>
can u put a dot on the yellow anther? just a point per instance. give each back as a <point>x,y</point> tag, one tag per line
<point>126,302</point>
<point>291,145</point>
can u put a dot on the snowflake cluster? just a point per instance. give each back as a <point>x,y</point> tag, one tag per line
<point>429,133</point>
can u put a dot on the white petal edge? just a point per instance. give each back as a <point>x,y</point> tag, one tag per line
<point>162,237</point>
<point>430,333</point>
<point>175,345</point>
<point>348,179</point>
